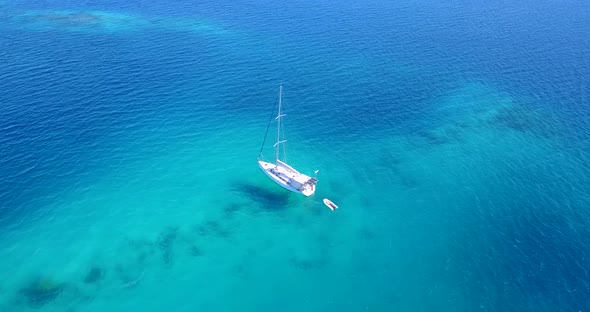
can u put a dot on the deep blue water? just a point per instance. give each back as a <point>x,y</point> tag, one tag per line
<point>459,130</point>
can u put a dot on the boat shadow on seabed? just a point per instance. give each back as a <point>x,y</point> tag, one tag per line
<point>268,200</point>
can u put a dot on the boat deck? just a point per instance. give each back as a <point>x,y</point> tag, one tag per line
<point>288,173</point>
<point>289,178</point>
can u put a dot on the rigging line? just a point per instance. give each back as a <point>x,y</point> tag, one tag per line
<point>267,127</point>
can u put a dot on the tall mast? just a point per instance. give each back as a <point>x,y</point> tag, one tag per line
<point>278,125</point>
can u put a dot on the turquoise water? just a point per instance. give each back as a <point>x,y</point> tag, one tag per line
<point>454,137</point>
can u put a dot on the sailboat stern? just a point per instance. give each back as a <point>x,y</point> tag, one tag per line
<point>308,188</point>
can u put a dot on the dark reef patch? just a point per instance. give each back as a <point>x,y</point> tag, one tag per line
<point>141,249</point>
<point>514,118</point>
<point>195,251</point>
<point>307,264</point>
<point>41,291</point>
<point>432,137</point>
<point>212,227</point>
<point>389,166</point>
<point>525,120</point>
<point>94,275</point>
<point>449,133</point>
<point>166,244</point>
<point>230,210</point>
<point>386,156</point>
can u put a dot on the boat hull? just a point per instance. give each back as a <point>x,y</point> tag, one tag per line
<point>270,170</point>
<point>330,204</point>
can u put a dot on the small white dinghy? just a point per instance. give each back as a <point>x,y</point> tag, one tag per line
<point>330,204</point>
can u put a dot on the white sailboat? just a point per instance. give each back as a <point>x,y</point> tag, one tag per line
<point>279,171</point>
